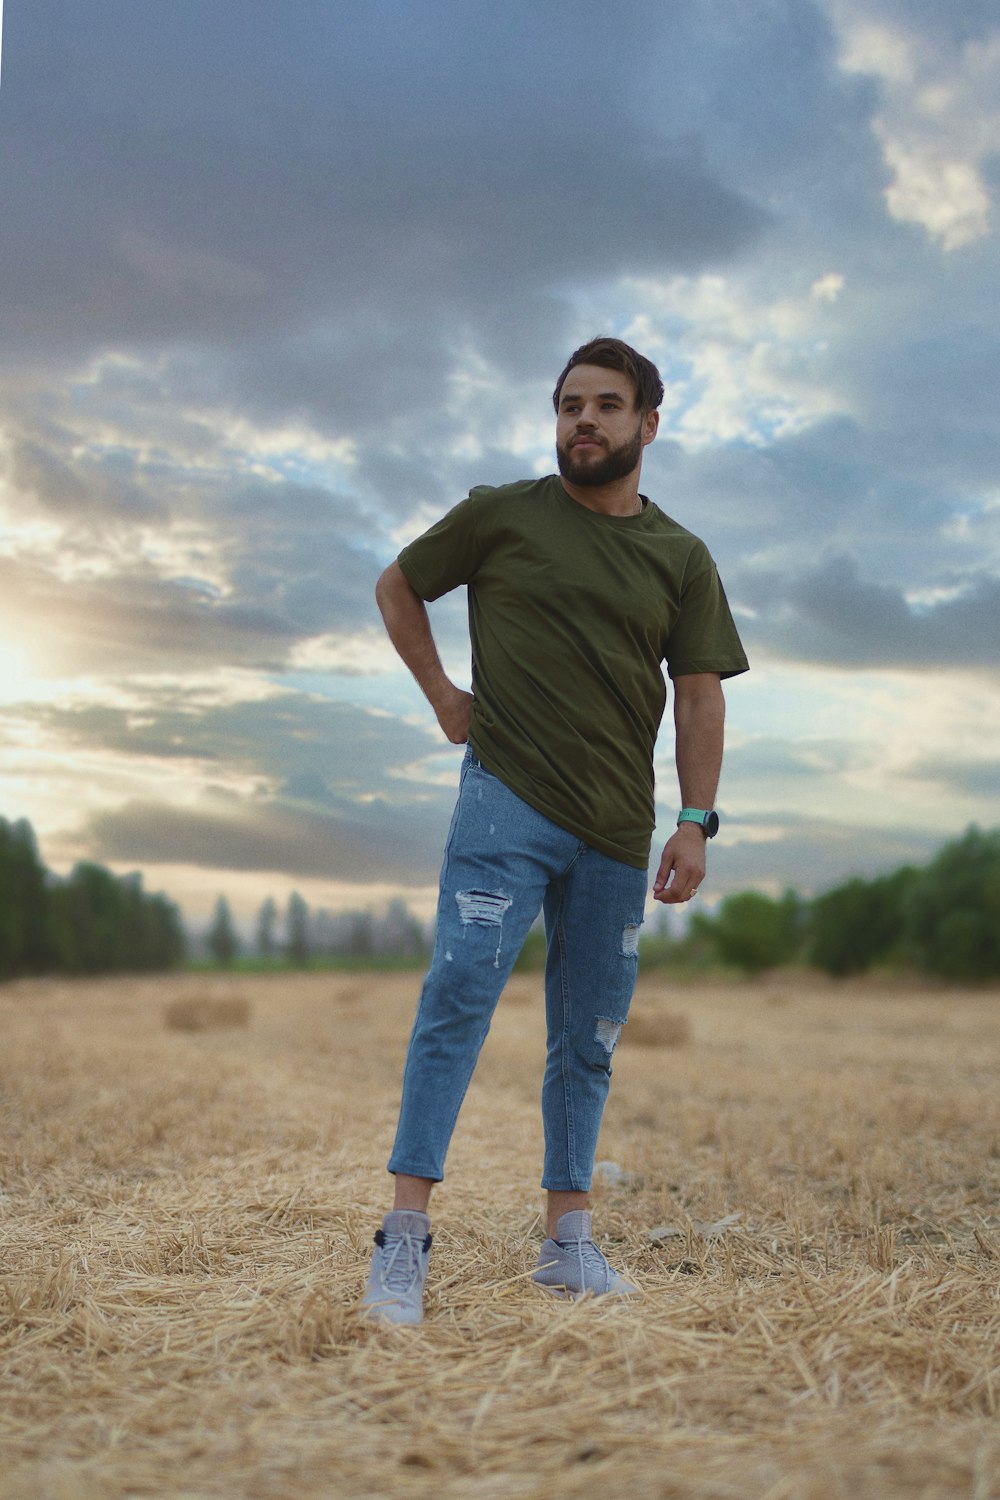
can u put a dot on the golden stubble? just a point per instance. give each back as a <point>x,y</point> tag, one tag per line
<point>805,1184</point>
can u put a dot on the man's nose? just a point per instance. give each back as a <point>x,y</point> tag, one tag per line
<point>586,419</point>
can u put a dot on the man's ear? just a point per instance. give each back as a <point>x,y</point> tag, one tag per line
<point>650,426</point>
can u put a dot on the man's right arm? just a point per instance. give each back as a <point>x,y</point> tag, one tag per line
<point>409,629</point>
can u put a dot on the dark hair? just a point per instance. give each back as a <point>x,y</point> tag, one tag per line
<point>613,354</point>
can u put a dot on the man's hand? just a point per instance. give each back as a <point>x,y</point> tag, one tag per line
<point>454,711</point>
<point>699,717</point>
<point>409,630</point>
<point>682,866</point>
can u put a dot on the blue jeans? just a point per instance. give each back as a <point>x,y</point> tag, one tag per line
<point>503,863</point>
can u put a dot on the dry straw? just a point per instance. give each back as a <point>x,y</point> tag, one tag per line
<point>186,1216</point>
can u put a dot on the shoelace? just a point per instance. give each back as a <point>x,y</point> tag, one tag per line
<point>590,1259</point>
<point>401,1259</point>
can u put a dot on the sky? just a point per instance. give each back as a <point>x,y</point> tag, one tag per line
<point>280,283</point>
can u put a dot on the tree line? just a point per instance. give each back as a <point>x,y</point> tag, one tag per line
<point>302,936</point>
<point>90,922</point>
<point>941,919</point>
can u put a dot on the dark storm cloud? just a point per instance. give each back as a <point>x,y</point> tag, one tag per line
<point>39,466</point>
<point>768,760</point>
<point>833,615</point>
<point>961,778</point>
<point>814,854</point>
<point>368,844</point>
<point>339,809</point>
<point>785,519</point>
<point>792,126</point>
<point>337,749</point>
<point>942,20</point>
<point>928,394</point>
<point>744,500</point>
<point>208,175</point>
<point>302,554</point>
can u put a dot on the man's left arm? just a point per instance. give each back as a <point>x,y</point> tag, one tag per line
<point>699,720</point>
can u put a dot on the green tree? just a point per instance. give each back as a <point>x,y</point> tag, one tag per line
<point>89,909</point>
<point>163,945</point>
<point>401,933</point>
<point>150,932</point>
<point>861,923</point>
<point>297,945</point>
<point>223,943</point>
<point>752,931</point>
<point>953,909</point>
<point>101,924</point>
<point>267,917</point>
<point>26,944</point>
<point>92,922</point>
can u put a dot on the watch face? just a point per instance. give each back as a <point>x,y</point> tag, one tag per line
<point>711,825</point>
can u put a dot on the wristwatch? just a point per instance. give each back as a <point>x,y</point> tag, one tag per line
<point>708,821</point>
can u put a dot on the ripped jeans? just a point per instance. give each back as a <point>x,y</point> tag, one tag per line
<point>503,863</point>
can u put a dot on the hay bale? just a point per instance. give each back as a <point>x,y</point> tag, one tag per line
<point>657,1028</point>
<point>206,1012</point>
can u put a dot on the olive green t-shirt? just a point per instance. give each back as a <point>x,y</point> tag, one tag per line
<point>571,613</point>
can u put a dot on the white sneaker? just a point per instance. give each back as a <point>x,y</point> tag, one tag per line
<point>395,1290</point>
<point>571,1264</point>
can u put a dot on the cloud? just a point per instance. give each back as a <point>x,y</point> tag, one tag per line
<point>833,615</point>
<point>287,783</point>
<point>280,285</point>
<point>280,734</point>
<point>369,845</point>
<point>814,854</point>
<point>138,623</point>
<point>939,124</point>
<point>239,320</point>
<point>961,777</point>
<point>133,544</point>
<point>737,368</point>
<point>318,202</point>
<point>767,760</point>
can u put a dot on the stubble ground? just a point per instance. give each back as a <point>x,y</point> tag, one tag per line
<point>805,1187</point>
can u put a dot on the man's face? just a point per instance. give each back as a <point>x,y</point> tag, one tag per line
<point>599,434</point>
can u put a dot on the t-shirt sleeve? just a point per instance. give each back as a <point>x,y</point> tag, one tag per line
<point>704,637</point>
<point>449,553</point>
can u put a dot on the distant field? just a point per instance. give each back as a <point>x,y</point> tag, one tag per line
<point>191,1169</point>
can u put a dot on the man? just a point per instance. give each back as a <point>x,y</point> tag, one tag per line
<point>579,588</point>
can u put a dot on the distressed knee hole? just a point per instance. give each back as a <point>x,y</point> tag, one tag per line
<point>630,941</point>
<point>482,906</point>
<point>484,909</point>
<point>607,1033</point>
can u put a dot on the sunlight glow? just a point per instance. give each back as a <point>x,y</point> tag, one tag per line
<point>17,672</point>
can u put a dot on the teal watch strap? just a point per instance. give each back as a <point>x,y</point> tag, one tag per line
<point>706,818</point>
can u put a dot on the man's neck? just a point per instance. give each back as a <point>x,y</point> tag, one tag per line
<point>618,499</point>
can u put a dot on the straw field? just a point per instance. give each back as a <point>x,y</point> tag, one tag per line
<point>804,1184</point>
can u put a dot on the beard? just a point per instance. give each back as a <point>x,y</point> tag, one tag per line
<point>615,464</point>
